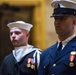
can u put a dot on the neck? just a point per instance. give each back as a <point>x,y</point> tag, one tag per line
<point>63,37</point>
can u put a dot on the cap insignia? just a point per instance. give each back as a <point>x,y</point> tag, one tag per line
<point>56,5</point>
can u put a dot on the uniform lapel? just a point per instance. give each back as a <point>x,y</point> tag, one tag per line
<point>69,47</point>
<point>53,51</point>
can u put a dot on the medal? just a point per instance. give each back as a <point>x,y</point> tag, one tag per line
<point>28,65</point>
<point>29,62</point>
<point>73,53</point>
<point>71,64</point>
<point>72,57</point>
<point>33,66</point>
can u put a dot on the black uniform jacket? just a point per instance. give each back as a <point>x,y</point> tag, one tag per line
<point>25,67</point>
<point>63,64</point>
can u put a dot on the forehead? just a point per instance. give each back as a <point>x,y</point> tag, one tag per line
<point>15,29</point>
<point>61,16</point>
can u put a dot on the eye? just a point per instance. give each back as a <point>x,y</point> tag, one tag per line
<point>60,18</point>
<point>63,18</point>
<point>11,33</point>
<point>17,32</point>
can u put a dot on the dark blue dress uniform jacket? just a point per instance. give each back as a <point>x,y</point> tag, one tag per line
<point>58,65</point>
<point>11,67</point>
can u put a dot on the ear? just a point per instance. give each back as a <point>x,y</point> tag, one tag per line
<point>74,22</point>
<point>28,34</point>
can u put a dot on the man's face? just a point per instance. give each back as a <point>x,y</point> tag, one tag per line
<point>64,25</point>
<point>19,37</point>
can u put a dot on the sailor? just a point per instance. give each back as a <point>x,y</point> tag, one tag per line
<point>25,58</point>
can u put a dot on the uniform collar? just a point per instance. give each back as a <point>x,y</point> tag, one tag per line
<point>20,52</point>
<point>66,40</point>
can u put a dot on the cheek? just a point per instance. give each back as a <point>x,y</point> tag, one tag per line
<point>68,27</point>
<point>10,38</point>
<point>20,37</point>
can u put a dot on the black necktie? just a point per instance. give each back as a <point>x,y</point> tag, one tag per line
<point>59,48</point>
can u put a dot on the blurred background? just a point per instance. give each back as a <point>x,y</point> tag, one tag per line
<point>36,12</point>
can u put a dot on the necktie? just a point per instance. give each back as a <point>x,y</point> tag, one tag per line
<point>59,48</point>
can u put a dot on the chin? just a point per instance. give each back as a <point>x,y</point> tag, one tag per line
<point>15,44</point>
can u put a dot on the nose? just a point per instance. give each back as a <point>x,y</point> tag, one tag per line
<point>57,21</point>
<point>58,18</point>
<point>13,35</point>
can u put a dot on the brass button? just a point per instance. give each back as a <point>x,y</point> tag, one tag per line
<point>54,65</point>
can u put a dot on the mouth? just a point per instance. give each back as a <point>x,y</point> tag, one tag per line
<point>58,27</point>
<point>14,41</point>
